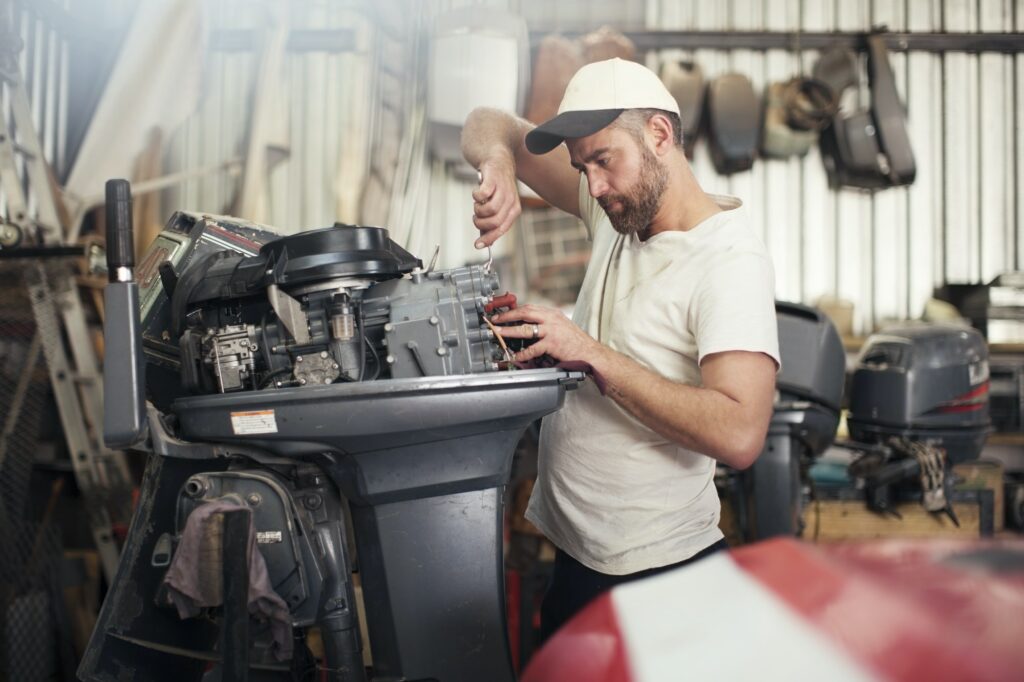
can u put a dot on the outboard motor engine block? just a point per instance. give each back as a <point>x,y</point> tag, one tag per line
<point>919,395</point>
<point>339,304</point>
<point>926,383</point>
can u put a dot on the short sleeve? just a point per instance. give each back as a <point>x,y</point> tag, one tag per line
<point>735,307</point>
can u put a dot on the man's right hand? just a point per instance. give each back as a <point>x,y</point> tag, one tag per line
<point>496,201</point>
<point>493,142</point>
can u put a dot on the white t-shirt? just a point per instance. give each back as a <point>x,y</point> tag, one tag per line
<point>611,492</point>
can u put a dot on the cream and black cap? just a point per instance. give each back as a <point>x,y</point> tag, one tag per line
<point>595,97</point>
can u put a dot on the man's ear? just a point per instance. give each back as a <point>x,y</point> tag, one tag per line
<point>660,130</point>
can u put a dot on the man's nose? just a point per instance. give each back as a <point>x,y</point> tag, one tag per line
<point>598,187</point>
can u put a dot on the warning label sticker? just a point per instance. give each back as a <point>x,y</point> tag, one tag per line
<point>249,423</point>
<point>268,537</point>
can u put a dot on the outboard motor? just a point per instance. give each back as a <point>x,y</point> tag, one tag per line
<point>235,308</point>
<point>310,384</point>
<point>920,402</point>
<point>809,389</point>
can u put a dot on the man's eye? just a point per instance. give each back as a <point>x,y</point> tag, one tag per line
<point>603,162</point>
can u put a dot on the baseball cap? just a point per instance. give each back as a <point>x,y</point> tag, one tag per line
<point>595,97</point>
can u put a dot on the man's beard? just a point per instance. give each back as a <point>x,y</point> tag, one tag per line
<point>643,200</point>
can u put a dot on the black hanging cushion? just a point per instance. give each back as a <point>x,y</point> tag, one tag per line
<point>734,122</point>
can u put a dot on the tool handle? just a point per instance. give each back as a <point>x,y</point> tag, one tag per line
<point>124,367</point>
<point>120,246</point>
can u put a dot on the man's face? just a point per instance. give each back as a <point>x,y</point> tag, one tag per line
<point>623,174</point>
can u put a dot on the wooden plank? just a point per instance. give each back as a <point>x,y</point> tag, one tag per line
<point>838,520</point>
<point>1005,439</point>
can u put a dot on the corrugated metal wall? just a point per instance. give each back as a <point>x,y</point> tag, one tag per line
<point>327,95</point>
<point>43,62</point>
<point>64,57</point>
<point>885,251</point>
<point>959,222</point>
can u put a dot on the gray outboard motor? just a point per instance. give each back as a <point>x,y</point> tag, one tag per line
<point>920,397</point>
<point>809,391</point>
<point>313,383</point>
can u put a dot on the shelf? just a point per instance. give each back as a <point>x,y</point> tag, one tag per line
<point>1005,438</point>
<point>854,344</point>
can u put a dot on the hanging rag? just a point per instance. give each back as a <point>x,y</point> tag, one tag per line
<point>194,579</point>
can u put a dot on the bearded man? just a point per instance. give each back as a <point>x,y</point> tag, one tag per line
<point>675,318</point>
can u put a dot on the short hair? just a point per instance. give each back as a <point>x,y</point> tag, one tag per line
<point>634,120</point>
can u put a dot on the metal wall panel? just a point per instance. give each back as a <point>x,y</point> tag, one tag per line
<point>1017,145</point>
<point>819,240</point>
<point>925,251</point>
<point>889,243</point>
<point>328,98</point>
<point>960,222</point>
<point>43,65</point>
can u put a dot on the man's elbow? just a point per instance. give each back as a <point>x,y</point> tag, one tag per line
<point>743,450</point>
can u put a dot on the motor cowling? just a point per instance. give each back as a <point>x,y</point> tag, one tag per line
<point>923,382</point>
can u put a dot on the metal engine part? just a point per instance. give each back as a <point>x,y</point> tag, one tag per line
<point>235,309</point>
<point>288,518</point>
<point>424,324</point>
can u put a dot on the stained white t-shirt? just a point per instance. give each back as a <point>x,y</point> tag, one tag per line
<point>611,492</point>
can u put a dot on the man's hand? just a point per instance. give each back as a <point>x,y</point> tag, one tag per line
<point>726,417</point>
<point>556,335</point>
<point>496,201</point>
<point>493,143</point>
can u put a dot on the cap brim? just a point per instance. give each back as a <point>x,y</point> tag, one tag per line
<point>549,135</point>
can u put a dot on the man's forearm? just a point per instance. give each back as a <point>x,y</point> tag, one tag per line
<point>493,142</point>
<point>488,132</point>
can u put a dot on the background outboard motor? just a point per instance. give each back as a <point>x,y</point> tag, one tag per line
<point>809,389</point>
<point>919,396</point>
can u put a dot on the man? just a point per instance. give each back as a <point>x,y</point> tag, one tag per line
<point>675,318</point>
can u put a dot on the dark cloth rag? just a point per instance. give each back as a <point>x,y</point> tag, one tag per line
<point>195,580</point>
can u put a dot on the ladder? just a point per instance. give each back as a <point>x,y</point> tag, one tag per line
<point>62,330</point>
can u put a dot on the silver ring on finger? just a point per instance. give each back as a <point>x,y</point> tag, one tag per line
<point>536,331</point>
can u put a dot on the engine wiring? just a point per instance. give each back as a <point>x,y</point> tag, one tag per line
<point>509,357</point>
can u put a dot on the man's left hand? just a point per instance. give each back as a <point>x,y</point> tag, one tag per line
<point>552,333</point>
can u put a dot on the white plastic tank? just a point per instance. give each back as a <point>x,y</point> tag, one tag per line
<point>479,56</point>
